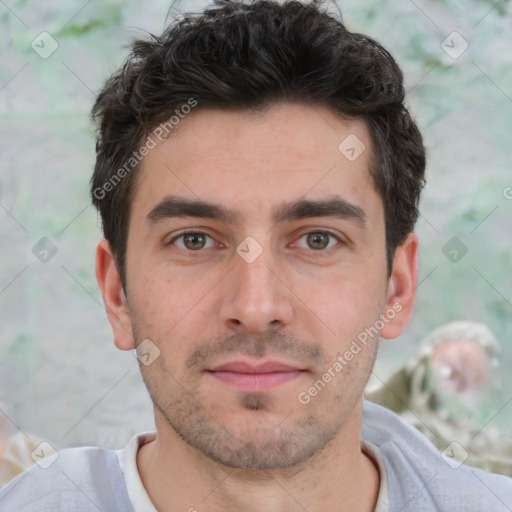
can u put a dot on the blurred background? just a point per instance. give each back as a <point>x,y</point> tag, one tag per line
<point>60,375</point>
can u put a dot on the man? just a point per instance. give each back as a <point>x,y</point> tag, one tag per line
<point>258,177</point>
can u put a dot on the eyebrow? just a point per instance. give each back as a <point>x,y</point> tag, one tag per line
<point>333,206</point>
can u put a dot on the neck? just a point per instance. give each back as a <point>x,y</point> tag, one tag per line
<point>179,477</point>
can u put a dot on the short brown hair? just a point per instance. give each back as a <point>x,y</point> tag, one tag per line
<point>248,55</point>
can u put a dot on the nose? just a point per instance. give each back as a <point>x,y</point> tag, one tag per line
<point>255,297</point>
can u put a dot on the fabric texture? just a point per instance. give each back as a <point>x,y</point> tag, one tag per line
<point>128,463</point>
<point>418,477</point>
<point>142,503</point>
<point>80,479</point>
<point>421,478</point>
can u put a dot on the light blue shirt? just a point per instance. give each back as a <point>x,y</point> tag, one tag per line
<point>419,478</point>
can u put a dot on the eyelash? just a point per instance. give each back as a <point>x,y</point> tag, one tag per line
<point>322,231</point>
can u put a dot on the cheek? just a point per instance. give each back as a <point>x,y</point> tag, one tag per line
<point>347,306</point>
<point>169,312</point>
<point>162,300</point>
<point>154,316</point>
<point>351,316</point>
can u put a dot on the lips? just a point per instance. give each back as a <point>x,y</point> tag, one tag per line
<point>261,378</point>
<point>243,367</point>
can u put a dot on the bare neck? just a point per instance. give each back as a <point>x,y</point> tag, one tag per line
<point>340,477</point>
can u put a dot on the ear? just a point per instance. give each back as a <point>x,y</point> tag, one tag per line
<point>401,293</point>
<point>114,298</point>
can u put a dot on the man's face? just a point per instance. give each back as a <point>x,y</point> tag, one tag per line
<point>244,325</point>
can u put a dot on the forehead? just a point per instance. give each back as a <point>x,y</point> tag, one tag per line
<point>253,162</point>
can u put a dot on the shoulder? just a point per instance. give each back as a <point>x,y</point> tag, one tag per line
<point>79,479</point>
<point>420,477</point>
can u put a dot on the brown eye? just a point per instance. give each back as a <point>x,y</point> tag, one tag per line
<point>194,241</point>
<point>318,240</point>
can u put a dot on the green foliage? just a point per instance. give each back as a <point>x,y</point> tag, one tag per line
<point>108,15</point>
